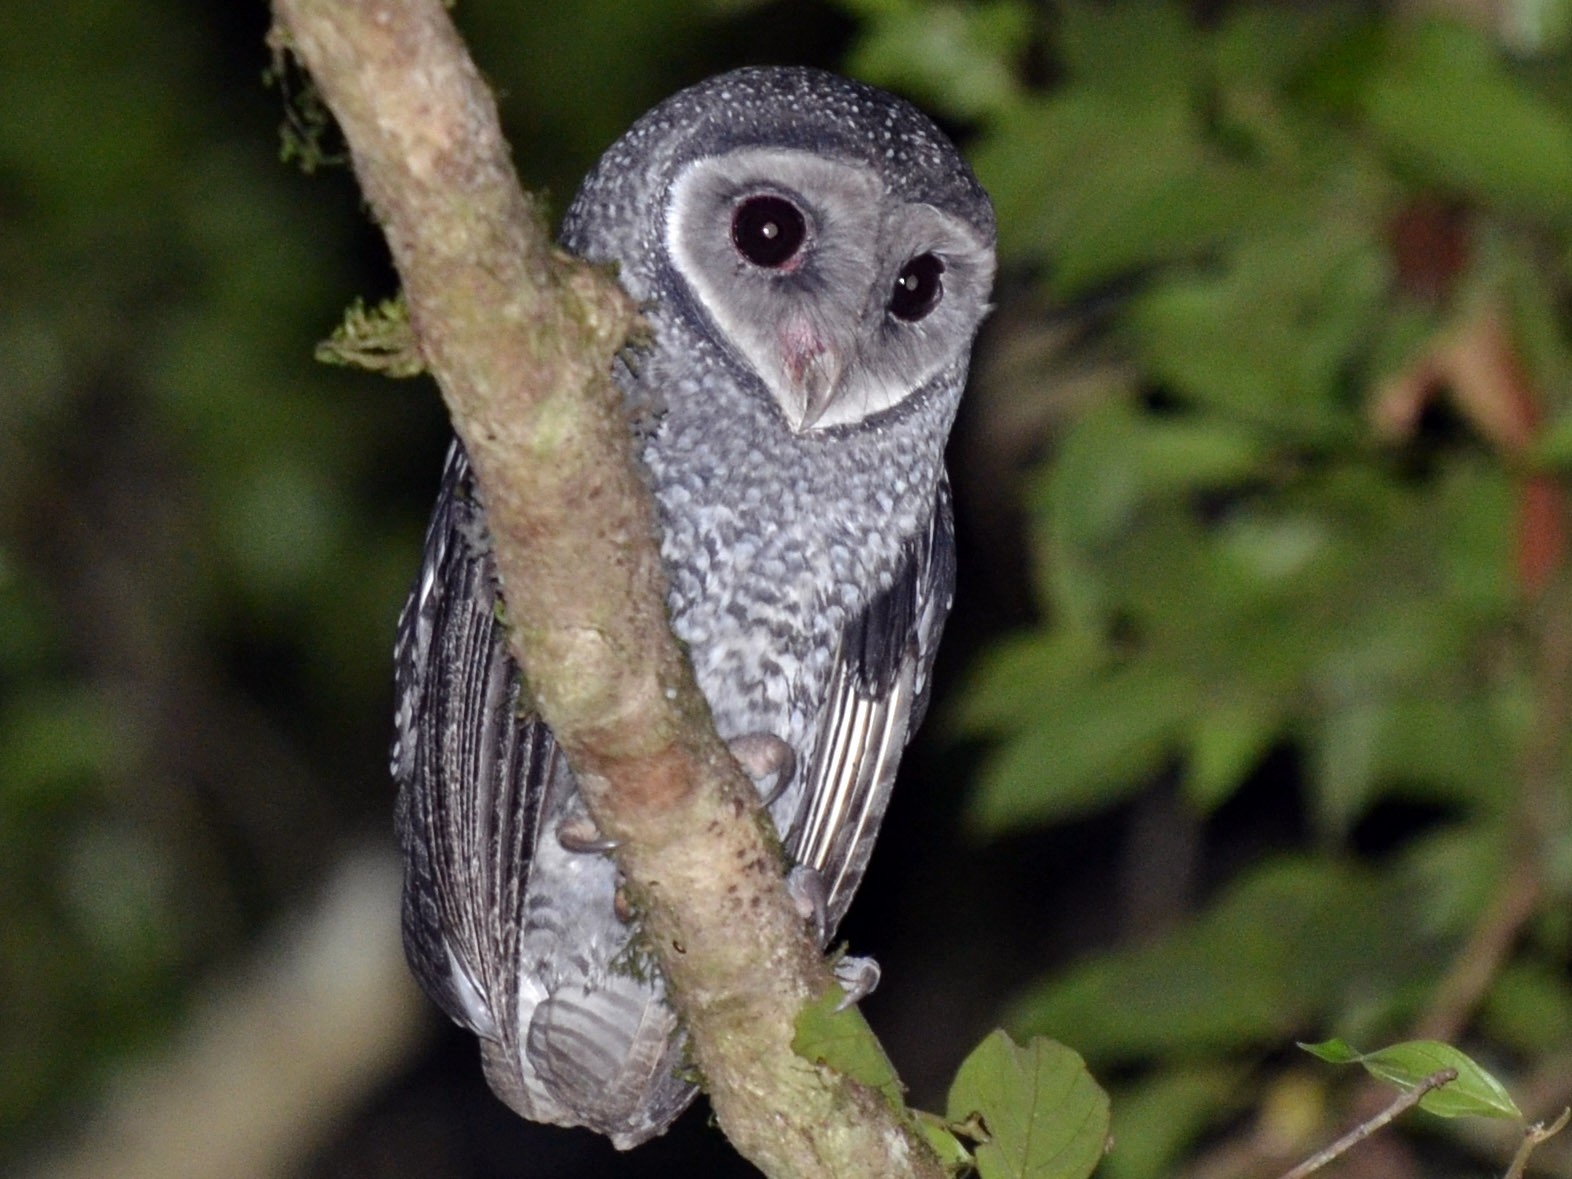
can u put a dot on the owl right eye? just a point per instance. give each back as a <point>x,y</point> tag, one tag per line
<point>768,230</point>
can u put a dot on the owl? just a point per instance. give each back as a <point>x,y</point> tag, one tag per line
<point>813,258</point>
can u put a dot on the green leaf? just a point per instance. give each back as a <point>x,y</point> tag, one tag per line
<point>1135,50</point>
<point>1268,47</point>
<point>1554,446</point>
<point>1115,461</point>
<point>1276,551</point>
<point>1345,758</point>
<point>843,1041</point>
<point>1477,525</point>
<point>1097,188</point>
<point>957,58</point>
<point>1432,742</point>
<point>55,740</point>
<point>281,522</point>
<point>1158,1116</point>
<point>1046,1117</point>
<point>1227,740</point>
<point>1014,676</point>
<point>1267,334</point>
<point>1454,872</point>
<point>1333,1051</point>
<point>1096,741</point>
<point>1528,1008</point>
<point>951,1151</point>
<point>1474,1093</point>
<point>1497,139</point>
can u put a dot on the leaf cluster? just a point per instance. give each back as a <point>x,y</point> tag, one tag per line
<point>1315,544</point>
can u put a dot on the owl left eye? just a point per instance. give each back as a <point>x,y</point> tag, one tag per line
<point>918,288</point>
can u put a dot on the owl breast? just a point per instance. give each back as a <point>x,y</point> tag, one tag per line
<point>773,540</point>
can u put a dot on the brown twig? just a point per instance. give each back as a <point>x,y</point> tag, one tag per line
<point>520,338</point>
<point>1369,1126</point>
<point>1475,965</point>
<point>1536,1134</point>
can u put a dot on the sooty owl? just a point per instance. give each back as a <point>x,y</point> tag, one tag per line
<point>814,259</point>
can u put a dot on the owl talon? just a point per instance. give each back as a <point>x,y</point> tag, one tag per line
<point>858,978</point>
<point>763,754</point>
<point>806,886</point>
<point>582,836</point>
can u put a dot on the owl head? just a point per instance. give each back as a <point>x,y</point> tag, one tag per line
<point>825,236</point>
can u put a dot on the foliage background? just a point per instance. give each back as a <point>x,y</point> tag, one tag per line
<point>1254,712</point>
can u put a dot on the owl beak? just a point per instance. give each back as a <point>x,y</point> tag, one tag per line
<point>813,367</point>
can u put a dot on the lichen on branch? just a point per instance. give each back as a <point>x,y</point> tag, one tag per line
<point>378,339</point>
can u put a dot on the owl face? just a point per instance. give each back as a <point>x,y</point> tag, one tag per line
<point>839,294</point>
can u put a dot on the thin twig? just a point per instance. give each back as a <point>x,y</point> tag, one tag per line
<point>1479,960</point>
<point>1366,1128</point>
<point>1536,1134</point>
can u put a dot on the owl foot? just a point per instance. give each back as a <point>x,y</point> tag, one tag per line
<point>858,978</point>
<point>761,755</point>
<point>806,887</point>
<point>581,835</point>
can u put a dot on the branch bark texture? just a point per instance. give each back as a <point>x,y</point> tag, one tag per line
<point>520,338</point>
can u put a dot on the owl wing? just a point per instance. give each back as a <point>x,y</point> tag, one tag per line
<point>877,697</point>
<point>473,776</point>
<point>504,929</point>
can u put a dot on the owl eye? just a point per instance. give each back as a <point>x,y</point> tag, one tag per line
<point>768,230</point>
<point>918,288</point>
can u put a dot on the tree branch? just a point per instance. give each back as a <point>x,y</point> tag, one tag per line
<point>521,338</point>
<point>272,1056</point>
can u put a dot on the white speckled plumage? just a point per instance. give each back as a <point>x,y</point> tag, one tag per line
<point>793,427</point>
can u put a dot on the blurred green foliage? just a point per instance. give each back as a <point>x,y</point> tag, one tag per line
<point>181,491</point>
<point>205,536</point>
<point>1310,525</point>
